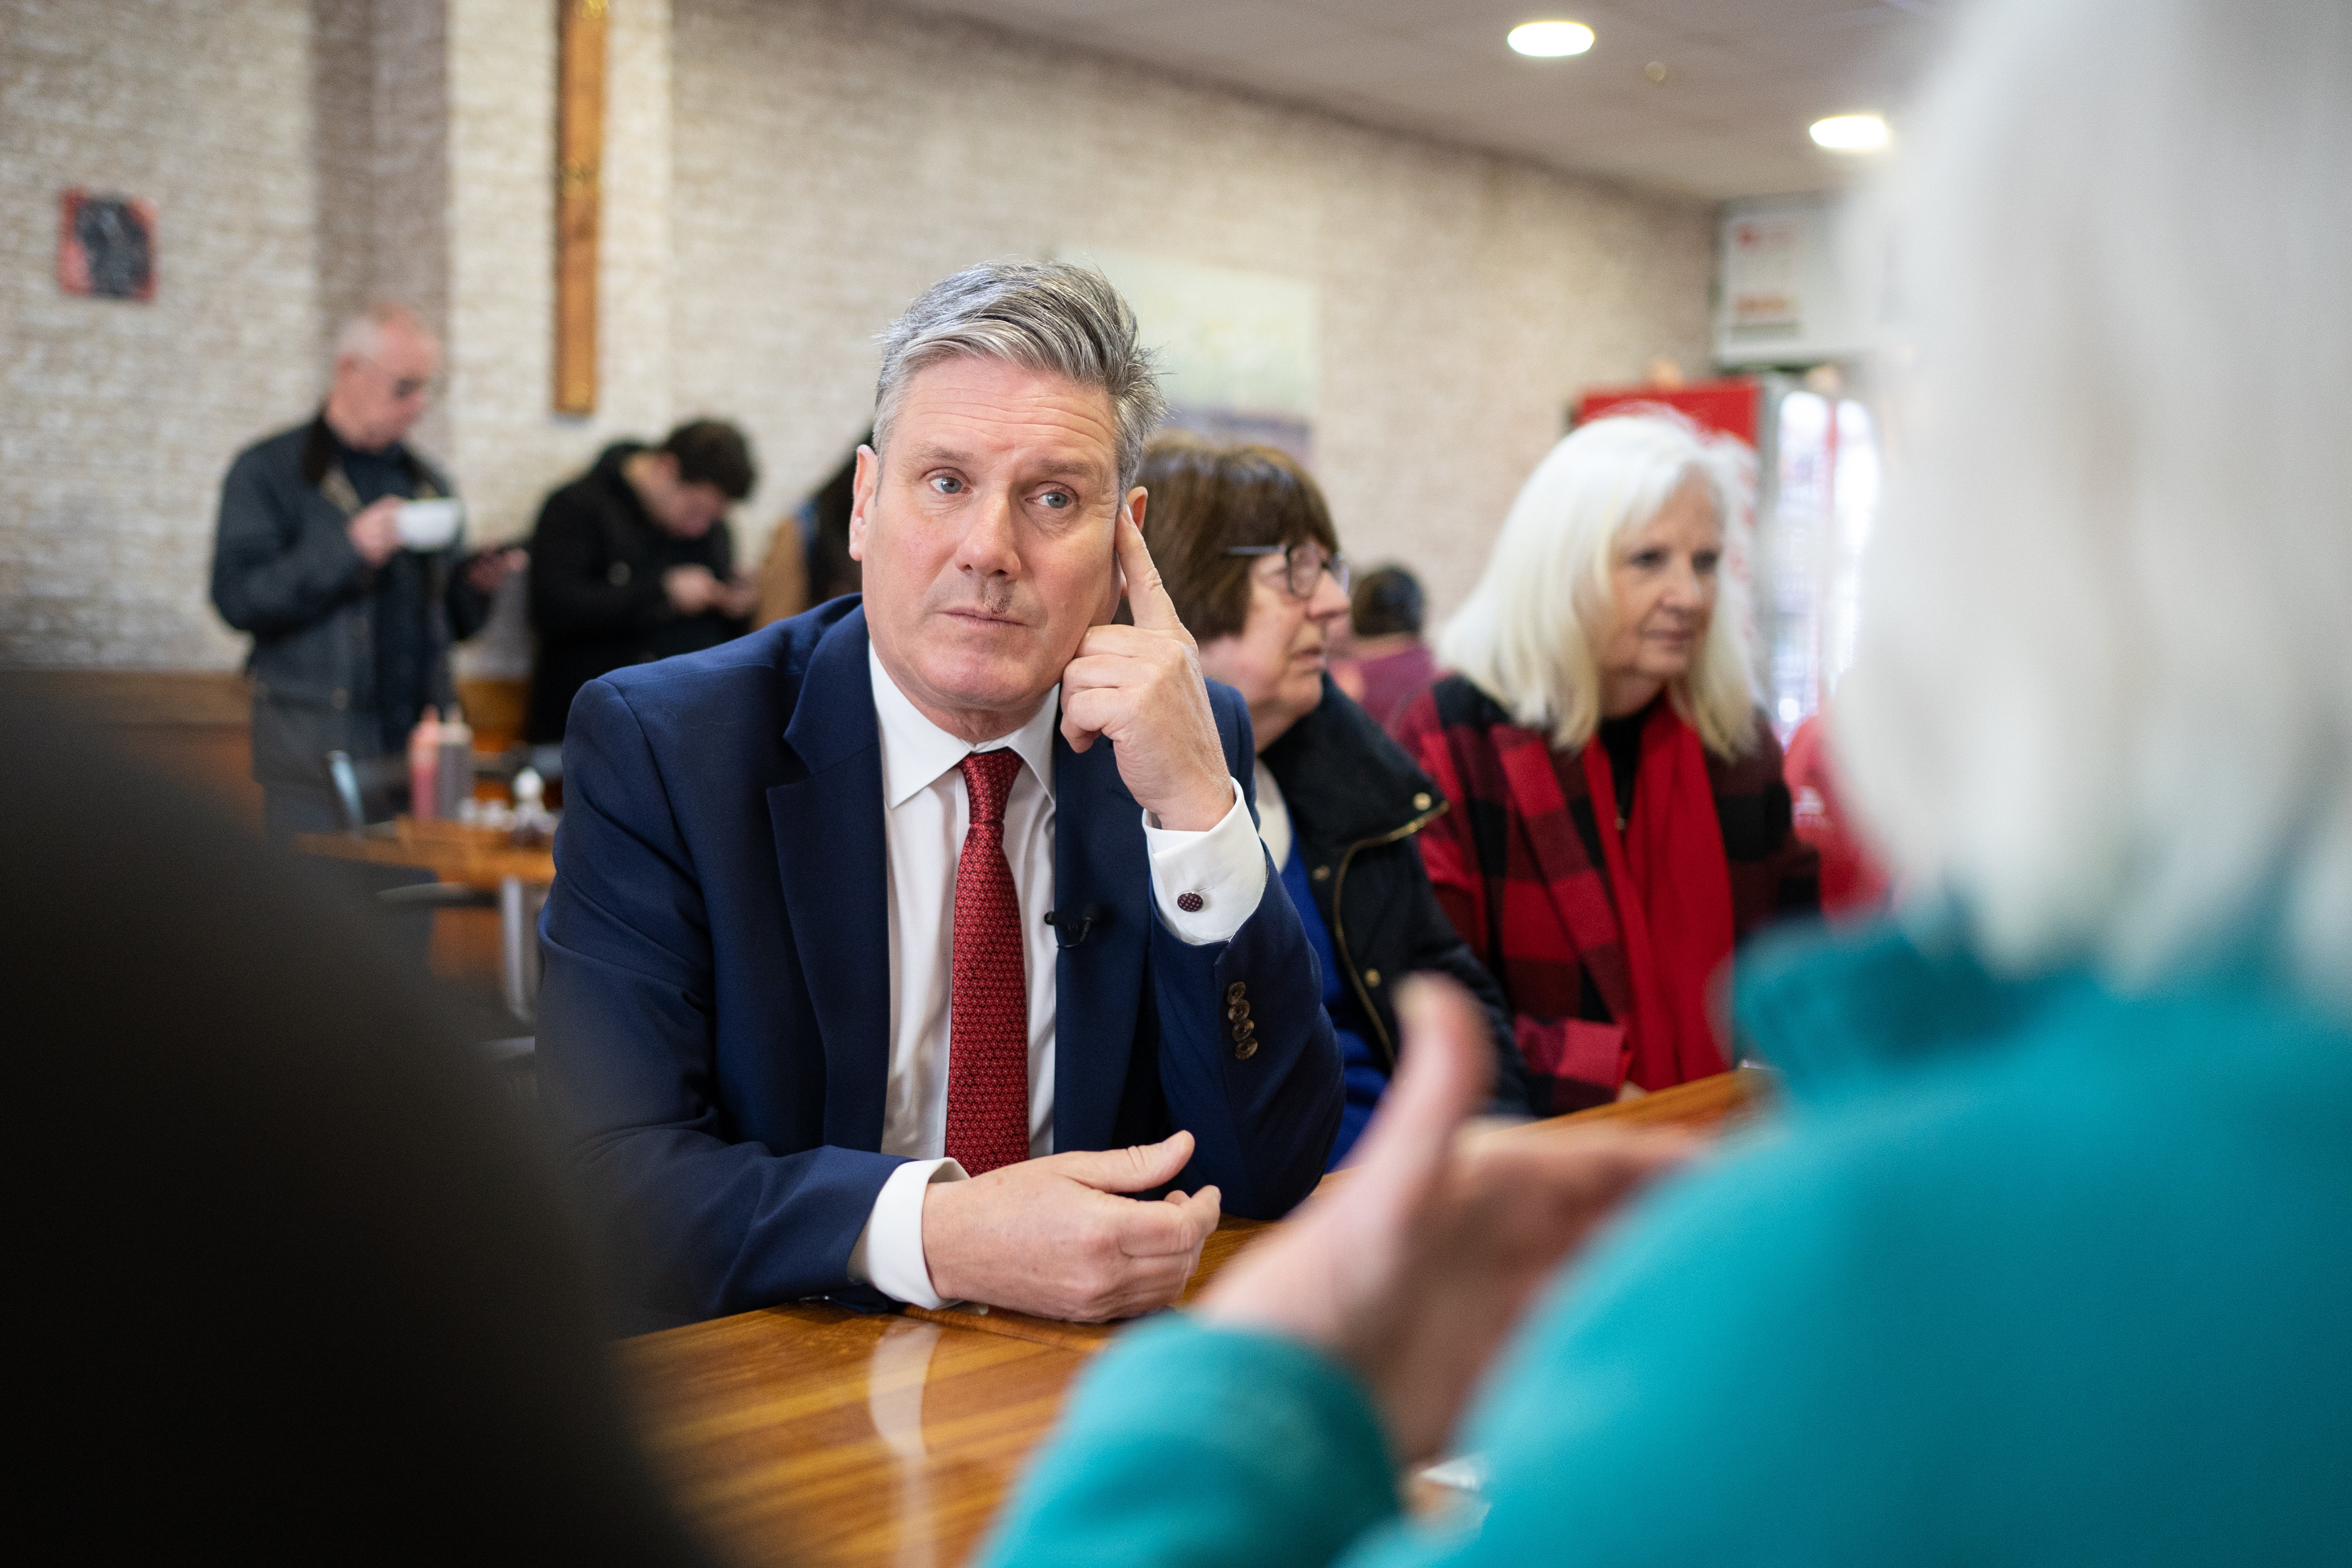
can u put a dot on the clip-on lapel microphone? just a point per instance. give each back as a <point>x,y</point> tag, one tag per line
<point>1070,929</point>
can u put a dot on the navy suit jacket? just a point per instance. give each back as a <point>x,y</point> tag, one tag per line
<point>715,1018</point>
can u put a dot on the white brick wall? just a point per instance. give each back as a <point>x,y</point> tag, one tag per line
<point>836,158</point>
<point>780,177</point>
<point>116,420</point>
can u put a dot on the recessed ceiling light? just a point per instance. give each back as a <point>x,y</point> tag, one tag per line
<point>1549,40</point>
<point>1851,132</point>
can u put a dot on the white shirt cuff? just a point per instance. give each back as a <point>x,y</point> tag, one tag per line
<point>1220,872</point>
<point>889,1251</point>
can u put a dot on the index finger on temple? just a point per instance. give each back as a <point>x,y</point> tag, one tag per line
<point>1147,596</point>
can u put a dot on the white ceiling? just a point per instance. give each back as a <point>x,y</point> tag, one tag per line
<point>1743,78</point>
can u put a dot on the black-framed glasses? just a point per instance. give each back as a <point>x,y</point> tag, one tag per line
<point>1303,567</point>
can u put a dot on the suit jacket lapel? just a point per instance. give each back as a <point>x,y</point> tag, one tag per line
<point>1578,892</point>
<point>1098,859</point>
<point>830,854</point>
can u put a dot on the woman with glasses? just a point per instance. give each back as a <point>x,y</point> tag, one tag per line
<point>1625,822</point>
<point>1245,544</point>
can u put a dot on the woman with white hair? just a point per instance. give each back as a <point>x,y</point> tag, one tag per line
<point>2047,1258</point>
<point>1622,821</point>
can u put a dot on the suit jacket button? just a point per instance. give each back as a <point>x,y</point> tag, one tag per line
<point>1421,801</point>
<point>1245,1050</point>
<point>1322,873</point>
<point>1237,1012</point>
<point>1244,1030</point>
<point>1371,977</point>
<point>1234,992</point>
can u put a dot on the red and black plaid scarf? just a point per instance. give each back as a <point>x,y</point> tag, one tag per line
<point>1673,889</point>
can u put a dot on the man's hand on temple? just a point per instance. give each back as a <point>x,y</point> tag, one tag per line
<point>1051,1236</point>
<point>1417,1268</point>
<point>374,529</point>
<point>1140,688</point>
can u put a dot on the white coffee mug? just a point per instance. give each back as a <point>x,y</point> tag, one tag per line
<point>430,524</point>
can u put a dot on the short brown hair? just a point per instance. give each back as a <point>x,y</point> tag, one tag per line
<point>1206,499</point>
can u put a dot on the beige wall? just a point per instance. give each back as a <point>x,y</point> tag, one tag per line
<point>833,159</point>
<point>780,177</point>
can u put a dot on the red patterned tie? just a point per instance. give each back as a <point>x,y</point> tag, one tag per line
<point>988,1027</point>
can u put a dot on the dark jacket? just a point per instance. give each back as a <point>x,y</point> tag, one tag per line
<point>714,1028</point>
<point>596,596</point>
<point>1356,801</point>
<point>284,570</point>
<point>1511,867</point>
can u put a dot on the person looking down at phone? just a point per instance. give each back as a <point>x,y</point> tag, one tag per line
<point>352,620</point>
<point>921,947</point>
<point>632,561</point>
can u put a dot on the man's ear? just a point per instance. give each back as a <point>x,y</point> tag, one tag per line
<point>861,499</point>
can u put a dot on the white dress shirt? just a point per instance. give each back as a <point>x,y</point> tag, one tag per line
<point>1273,817</point>
<point>925,814</point>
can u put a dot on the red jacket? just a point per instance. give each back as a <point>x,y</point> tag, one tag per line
<point>1512,865</point>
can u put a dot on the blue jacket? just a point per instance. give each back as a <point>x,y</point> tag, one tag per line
<point>715,1018</point>
<point>2025,1274</point>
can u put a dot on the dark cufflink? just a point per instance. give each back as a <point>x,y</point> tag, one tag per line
<point>1189,902</point>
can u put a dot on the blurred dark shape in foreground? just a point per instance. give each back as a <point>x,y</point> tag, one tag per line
<point>297,1285</point>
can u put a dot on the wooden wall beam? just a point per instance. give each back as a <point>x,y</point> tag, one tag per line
<point>579,184</point>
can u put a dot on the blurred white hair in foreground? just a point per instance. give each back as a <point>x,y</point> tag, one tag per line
<point>2104,693</point>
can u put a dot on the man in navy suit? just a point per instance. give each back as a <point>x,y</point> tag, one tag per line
<point>889,946</point>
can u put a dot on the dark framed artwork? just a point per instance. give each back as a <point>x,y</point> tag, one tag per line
<point>106,246</point>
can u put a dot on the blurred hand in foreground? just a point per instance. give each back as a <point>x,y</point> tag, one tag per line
<point>1414,1270</point>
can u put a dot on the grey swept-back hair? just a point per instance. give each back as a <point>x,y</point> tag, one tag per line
<point>1048,316</point>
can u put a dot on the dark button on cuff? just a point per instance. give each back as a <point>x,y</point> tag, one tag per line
<point>1245,1050</point>
<point>1236,991</point>
<point>1189,902</point>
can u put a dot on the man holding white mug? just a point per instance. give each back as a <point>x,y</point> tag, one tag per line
<point>341,551</point>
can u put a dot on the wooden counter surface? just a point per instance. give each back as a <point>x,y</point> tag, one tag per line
<point>452,851</point>
<point>819,1436</point>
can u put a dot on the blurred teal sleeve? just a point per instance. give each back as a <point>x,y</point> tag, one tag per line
<point>1187,1445</point>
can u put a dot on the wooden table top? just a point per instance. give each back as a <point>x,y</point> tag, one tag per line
<point>821,1437</point>
<point>453,851</point>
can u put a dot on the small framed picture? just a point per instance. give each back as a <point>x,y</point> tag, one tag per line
<point>106,246</point>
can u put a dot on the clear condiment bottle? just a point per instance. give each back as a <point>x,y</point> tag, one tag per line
<point>457,772</point>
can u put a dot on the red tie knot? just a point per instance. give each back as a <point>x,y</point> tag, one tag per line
<point>988,779</point>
